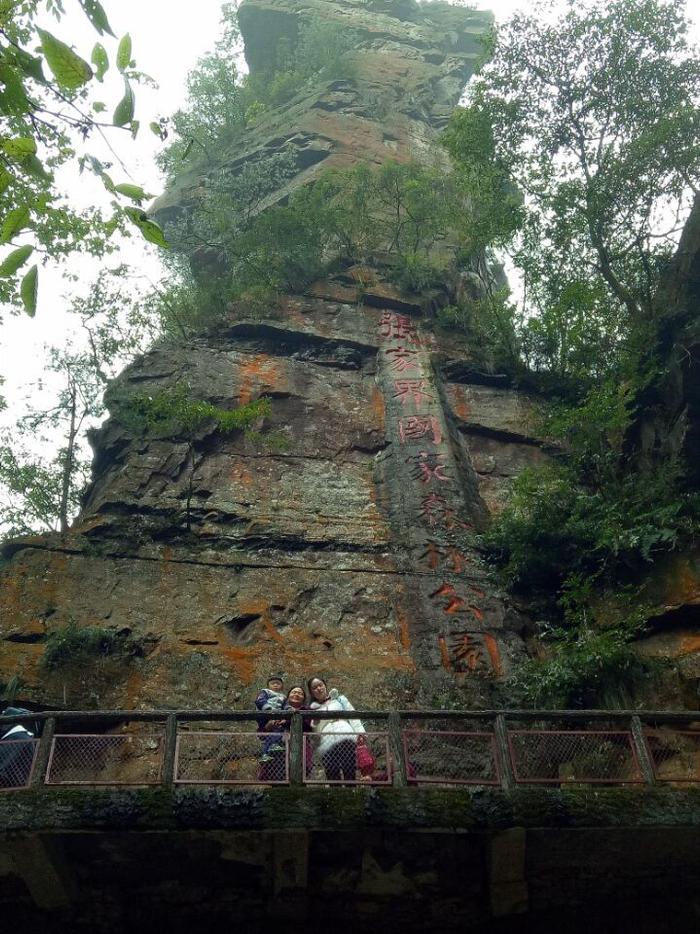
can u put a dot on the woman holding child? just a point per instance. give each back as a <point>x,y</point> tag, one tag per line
<point>273,767</point>
<point>337,745</point>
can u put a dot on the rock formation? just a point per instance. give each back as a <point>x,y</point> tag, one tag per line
<point>345,548</point>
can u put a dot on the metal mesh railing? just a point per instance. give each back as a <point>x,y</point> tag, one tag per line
<point>104,759</point>
<point>449,747</point>
<point>566,756</point>
<point>675,754</point>
<point>347,758</point>
<point>451,757</point>
<point>16,761</point>
<point>223,758</point>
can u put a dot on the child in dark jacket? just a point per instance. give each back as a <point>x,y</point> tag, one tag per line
<point>271,699</point>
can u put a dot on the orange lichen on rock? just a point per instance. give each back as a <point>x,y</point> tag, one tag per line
<point>378,409</point>
<point>460,406</point>
<point>256,374</point>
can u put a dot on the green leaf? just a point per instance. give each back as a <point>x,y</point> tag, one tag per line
<point>19,148</point>
<point>28,290</point>
<point>124,53</point>
<point>111,225</point>
<point>16,220</point>
<point>97,16</point>
<point>32,166</point>
<point>14,260</point>
<point>100,60</point>
<point>13,98</point>
<point>135,126</point>
<point>98,169</point>
<point>6,179</point>
<point>158,130</point>
<point>135,192</point>
<point>124,112</point>
<point>150,230</point>
<point>68,68</point>
<point>29,64</point>
<point>99,107</point>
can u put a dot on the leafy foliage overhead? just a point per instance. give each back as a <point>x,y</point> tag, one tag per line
<point>49,109</point>
<point>593,116</point>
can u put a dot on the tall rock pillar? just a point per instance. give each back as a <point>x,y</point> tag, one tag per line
<point>340,539</point>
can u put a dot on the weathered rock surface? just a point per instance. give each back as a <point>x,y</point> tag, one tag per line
<point>339,539</point>
<point>410,64</point>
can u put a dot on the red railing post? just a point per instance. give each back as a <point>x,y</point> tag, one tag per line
<point>169,749</point>
<point>646,766</point>
<point>505,766</point>
<point>43,753</point>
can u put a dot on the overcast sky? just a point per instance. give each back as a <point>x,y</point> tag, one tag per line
<point>168,37</point>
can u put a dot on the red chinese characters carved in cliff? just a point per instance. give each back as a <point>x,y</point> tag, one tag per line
<point>437,512</point>
<point>416,427</point>
<point>411,389</point>
<point>437,556</point>
<point>402,359</point>
<point>428,467</point>
<point>473,653</point>
<point>399,327</point>
<point>452,602</point>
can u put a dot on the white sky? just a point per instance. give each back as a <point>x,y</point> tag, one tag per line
<point>168,37</point>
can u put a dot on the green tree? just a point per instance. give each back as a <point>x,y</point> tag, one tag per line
<point>222,102</point>
<point>594,118</point>
<point>217,105</point>
<point>49,110</point>
<point>40,492</point>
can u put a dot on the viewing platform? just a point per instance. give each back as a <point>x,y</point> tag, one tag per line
<point>515,818</point>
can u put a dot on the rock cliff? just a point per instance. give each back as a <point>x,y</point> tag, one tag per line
<point>339,538</point>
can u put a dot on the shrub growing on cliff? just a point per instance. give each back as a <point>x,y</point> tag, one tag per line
<point>174,413</point>
<point>581,669</point>
<point>406,211</point>
<point>223,102</point>
<point>72,644</point>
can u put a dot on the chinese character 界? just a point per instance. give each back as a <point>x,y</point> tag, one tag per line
<point>411,389</point>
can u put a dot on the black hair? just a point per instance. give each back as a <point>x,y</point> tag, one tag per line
<point>294,687</point>
<point>315,678</point>
<point>275,678</point>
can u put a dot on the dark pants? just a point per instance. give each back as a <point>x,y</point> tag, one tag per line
<point>273,769</point>
<point>339,762</point>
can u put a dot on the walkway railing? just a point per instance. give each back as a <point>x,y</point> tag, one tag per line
<point>406,748</point>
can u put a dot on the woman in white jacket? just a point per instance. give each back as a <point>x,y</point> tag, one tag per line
<point>337,746</point>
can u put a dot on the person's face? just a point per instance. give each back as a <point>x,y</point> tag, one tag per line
<point>275,684</point>
<point>319,690</point>
<point>296,697</point>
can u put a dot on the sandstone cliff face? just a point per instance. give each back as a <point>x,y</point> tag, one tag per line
<point>338,540</point>
<point>348,552</point>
